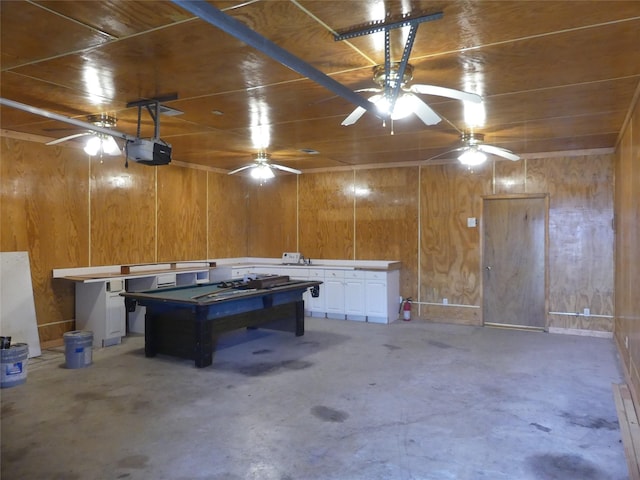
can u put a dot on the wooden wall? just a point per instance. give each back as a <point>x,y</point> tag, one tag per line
<point>627,248</point>
<point>67,210</point>
<point>271,217</point>
<point>418,215</point>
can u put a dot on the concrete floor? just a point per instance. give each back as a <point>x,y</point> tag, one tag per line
<point>348,400</point>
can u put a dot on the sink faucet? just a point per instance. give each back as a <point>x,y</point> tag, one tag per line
<point>304,261</point>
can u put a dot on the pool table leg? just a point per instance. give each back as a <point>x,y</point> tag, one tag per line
<point>299,318</point>
<point>203,343</point>
<point>150,347</point>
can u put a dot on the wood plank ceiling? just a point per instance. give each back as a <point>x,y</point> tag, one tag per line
<point>555,75</point>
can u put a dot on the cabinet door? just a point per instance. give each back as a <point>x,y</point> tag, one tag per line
<point>376,296</point>
<point>334,289</point>
<point>239,272</point>
<point>354,295</point>
<point>116,319</point>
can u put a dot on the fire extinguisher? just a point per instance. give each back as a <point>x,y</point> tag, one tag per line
<point>406,309</point>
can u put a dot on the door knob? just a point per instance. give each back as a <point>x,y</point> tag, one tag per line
<point>488,268</point>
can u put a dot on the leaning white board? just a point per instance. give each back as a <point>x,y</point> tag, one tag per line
<point>17,308</point>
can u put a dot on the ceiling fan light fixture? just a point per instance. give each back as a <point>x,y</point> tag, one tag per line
<point>262,172</point>
<point>472,157</point>
<point>110,146</point>
<point>403,108</point>
<point>101,144</point>
<point>93,146</point>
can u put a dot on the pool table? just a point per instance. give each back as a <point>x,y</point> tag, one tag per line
<point>185,321</point>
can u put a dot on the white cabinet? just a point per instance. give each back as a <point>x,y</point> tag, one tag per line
<point>135,319</point>
<point>299,273</point>
<point>228,272</point>
<point>100,309</point>
<point>354,295</point>
<point>382,293</point>
<point>116,319</point>
<point>240,272</point>
<point>334,293</point>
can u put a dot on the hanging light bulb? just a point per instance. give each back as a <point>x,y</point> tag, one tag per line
<point>93,146</point>
<point>110,146</point>
<point>262,172</point>
<point>403,108</point>
<point>472,157</point>
<point>99,144</point>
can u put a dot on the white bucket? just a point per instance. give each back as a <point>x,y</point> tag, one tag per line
<point>78,349</point>
<point>14,365</point>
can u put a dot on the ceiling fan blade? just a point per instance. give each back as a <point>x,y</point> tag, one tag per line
<point>284,169</point>
<point>446,92</point>
<point>241,169</point>
<point>460,149</point>
<point>353,116</point>
<point>501,152</point>
<point>425,112</point>
<point>68,137</point>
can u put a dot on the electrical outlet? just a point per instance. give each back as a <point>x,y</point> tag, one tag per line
<point>586,312</point>
<point>445,301</point>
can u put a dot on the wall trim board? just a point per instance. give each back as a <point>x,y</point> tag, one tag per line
<point>458,315</point>
<point>580,332</point>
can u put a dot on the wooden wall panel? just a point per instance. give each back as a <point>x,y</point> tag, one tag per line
<point>578,322</point>
<point>451,314</point>
<point>509,177</point>
<point>68,211</point>
<point>449,250</point>
<point>272,216</point>
<point>227,216</point>
<point>182,213</point>
<point>386,217</point>
<point>627,261</point>
<point>123,219</point>
<point>326,215</point>
<point>580,232</point>
<point>632,260</point>
<point>44,205</point>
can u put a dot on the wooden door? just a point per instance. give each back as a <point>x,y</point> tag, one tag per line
<point>514,261</point>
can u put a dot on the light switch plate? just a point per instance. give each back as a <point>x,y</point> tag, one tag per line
<point>472,222</point>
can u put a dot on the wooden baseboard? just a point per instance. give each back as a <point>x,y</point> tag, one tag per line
<point>58,342</point>
<point>629,428</point>
<point>582,332</point>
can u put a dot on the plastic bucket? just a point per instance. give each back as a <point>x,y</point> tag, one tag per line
<point>14,365</point>
<point>78,349</point>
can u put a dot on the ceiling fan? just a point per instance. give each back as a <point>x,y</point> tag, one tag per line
<point>474,151</point>
<point>262,169</point>
<point>99,142</point>
<point>407,101</point>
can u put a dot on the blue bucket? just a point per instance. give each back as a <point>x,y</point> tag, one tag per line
<point>78,348</point>
<point>14,365</point>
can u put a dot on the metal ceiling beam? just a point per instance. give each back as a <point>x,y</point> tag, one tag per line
<point>217,18</point>
<point>61,118</point>
<point>386,25</point>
